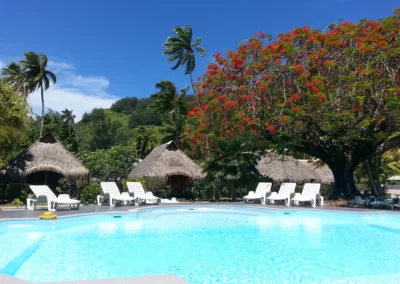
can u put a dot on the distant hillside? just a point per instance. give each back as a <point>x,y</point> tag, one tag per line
<point>126,114</point>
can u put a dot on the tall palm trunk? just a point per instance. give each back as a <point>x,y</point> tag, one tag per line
<point>191,81</point>
<point>42,122</point>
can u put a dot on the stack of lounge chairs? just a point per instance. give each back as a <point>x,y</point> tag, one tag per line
<point>286,194</point>
<point>42,194</point>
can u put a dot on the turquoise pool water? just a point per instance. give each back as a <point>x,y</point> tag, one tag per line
<point>207,245</point>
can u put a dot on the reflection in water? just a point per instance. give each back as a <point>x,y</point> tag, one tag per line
<point>133,226</point>
<point>108,228</point>
<point>264,223</point>
<point>289,222</point>
<point>312,225</point>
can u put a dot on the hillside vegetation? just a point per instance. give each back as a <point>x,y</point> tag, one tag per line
<point>124,117</point>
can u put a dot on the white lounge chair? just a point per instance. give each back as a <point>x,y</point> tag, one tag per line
<point>286,191</point>
<point>111,193</point>
<point>43,191</point>
<point>310,193</point>
<point>136,189</point>
<point>263,189</point>
<point>173,200</point>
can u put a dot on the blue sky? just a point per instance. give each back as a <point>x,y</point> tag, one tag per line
<point>102,50</point>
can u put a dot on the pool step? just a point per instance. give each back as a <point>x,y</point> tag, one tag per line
<point>14,265</point>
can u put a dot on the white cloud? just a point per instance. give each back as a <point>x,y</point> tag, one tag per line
<point>73,91</point>
<point>2,64</point>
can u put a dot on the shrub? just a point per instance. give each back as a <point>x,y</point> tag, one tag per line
<point>17,191</point>
<point>326,191</point>
<point>141,180</point>
<point>17,202</point>
<point>154,184</point>
<point>64,186</point>
<point>110,164</point>
<point>89,193</point>
<point>74,190</point>
<point>158,187</point>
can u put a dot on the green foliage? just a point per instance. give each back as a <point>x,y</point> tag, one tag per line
<point>37,76</point>
<point>89,193</point>
<point>110,164</point>
<point>17,191</point>
<point>125,105</point>
<point>158,187</point>
<point>168,100</point>
<point>326,191</point>
<point>141,180</point>
<point>17,202</point>
<point>143,117</point>
<point>181,49</point>
<point>14,120</point>
<point>145,141</point>
<point>103,130</point>
<point>231,162</point>
<point>204,190</point>
<point>63,187</point>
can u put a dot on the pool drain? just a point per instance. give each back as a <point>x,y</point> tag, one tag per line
<point>191,209</point>
<point>117,216</point>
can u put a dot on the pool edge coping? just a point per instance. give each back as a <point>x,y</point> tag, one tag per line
<point>206,205</point>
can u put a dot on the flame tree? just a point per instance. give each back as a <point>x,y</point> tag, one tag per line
<point>332,94</point>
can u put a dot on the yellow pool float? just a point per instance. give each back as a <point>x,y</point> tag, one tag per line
<point>48,215</point>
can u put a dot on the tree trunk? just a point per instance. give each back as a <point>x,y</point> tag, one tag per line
<point>370,177</point>
<point>42,122</point>
<point>378,174</point>
<point>343,174</point>
<point>176,125</point>
<point>191,81</point>
<point>231,184</point>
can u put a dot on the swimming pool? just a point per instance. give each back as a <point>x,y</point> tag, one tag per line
<point>207,245</point>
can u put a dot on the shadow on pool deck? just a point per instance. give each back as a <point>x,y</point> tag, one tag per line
<point>158,279</point>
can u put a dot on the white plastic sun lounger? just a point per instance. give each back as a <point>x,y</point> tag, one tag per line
<point>310,193</point>
<point>43,191</point>
<point>173,200</point>
<point>136,189</point>
<point>263,189</point>
<point>111,193</point>
<point>286,191</point>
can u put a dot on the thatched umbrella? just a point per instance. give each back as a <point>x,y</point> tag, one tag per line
<point>165,161</point>
<point>287,169</point>
<point>46,155</point>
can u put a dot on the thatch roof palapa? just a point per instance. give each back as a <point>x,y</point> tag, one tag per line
<point>287,169</point>
<point>46,155</point>
<point>165,161</point>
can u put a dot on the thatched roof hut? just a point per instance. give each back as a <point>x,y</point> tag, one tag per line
<point>287,169</point>
<point>46,156</point>
<point>169,163</point>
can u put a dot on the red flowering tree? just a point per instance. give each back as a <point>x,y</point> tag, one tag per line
<point>333,94</point>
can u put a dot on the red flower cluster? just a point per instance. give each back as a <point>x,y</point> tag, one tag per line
<point>238,62</point>
<point>296,109</point>
<point>296,97</point>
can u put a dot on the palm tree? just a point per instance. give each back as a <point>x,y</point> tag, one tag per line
<point>35,72</point>
<point>14,76</point>
<point>168,100</point>
<point>229,164</point>
<point>182,49</point>
<point>145,141</point>
<point>70,134</point>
